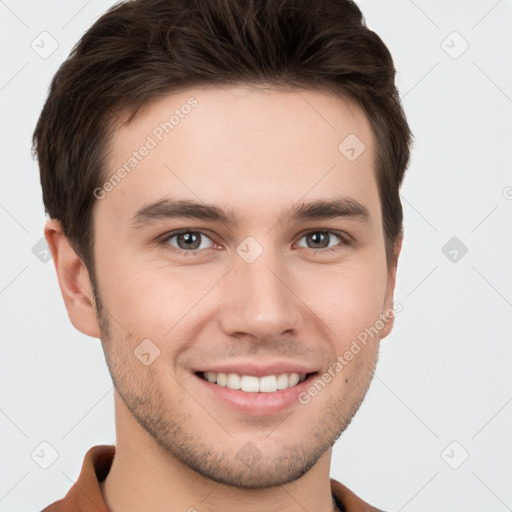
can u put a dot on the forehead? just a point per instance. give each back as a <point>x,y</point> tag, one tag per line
<point>239,146</point>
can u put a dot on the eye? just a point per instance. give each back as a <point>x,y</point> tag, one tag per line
<point>321,240</point>
<point>188,241</point>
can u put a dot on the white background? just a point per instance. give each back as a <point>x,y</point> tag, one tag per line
<point>445,371</point>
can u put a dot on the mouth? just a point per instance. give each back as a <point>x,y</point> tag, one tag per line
<point>252,384</point>
<point>258,389</point>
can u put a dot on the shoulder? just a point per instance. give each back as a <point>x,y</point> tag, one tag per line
<point>86,492</point>
<point>349,501</point>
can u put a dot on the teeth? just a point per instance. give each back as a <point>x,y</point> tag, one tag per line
<point>282,381</point>
<point>268,384</point>
<point>233,381</point>
<point>293,379</point>
<point>222,379</point>
<point>251,384</point>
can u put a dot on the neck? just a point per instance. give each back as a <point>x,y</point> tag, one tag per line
<point>145,477</point>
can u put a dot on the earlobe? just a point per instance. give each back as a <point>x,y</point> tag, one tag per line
<point>74,281</point>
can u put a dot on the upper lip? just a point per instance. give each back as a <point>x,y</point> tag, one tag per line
<point>258,370</point>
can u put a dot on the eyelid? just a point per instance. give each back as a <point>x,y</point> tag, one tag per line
<point>346,241</point>
<point>171,234</point>
<point>345,238</point>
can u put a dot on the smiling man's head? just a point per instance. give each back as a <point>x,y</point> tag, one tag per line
<point>222,179</point>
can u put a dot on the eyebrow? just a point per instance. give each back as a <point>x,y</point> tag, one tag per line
<point>167,208</point>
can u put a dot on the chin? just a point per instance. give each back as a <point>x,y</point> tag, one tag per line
<point>267,472</point>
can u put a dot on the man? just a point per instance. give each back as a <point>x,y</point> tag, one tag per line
<point>222,180</point>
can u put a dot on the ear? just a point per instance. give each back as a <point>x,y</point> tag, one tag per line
<point>74,281</point>
<point>388,312</point>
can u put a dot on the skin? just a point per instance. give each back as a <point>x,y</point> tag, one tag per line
<point>257,152</point>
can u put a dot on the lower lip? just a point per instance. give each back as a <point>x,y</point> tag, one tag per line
<point>257,404</point>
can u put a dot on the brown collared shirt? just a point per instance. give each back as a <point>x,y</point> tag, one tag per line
<point>85,494</point>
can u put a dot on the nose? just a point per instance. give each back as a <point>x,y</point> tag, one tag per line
<point>258,300</point>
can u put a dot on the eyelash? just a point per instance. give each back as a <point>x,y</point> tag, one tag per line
<point>345,240</point>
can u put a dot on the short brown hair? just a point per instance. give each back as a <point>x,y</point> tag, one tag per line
<point>141,50</point>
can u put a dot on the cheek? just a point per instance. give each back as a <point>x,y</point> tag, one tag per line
<point>153,300</point>
<point>348,299</point>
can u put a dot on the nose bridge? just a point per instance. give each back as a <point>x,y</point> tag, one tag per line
<point>260,302</point>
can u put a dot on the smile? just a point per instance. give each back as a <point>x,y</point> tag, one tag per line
<point>253,384</point>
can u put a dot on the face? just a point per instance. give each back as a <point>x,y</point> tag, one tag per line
<point>242,248</point>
